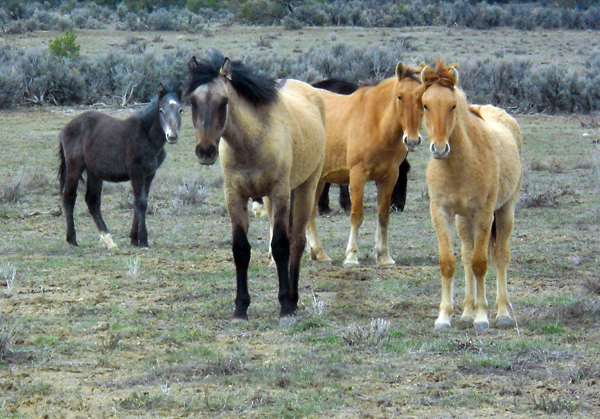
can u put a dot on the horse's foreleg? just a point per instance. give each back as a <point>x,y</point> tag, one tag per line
<point>483,226</point>
<point>382,252</point>
<point>139,234</point>
<point>241,257</point>
<point>317,251</point>
<point>357,189</point>
<point>442,223</point>
<point>504,218</point>
<point>464,227</point>
<point>93,199</point>
<point>400,188</point>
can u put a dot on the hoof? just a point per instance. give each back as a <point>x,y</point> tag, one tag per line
<point>350,265</point>
<point>504,322</point>
<point>481,325</point>
<point>286,322</point>
<point>442,325</point>
<point>107,240</point>
<point>386,264</point>
<point>239,321</point>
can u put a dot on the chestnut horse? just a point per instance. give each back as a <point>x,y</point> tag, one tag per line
<point>273,145</point>
<point>474,176</point>
<point>368,133</point>
<point>114,150</point>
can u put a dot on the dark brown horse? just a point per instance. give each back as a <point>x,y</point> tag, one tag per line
<point>114,150</point>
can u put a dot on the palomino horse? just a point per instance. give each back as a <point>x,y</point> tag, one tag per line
<point>273,146</point>
<point>474,176</point>
<point>368,133</point>
<point>398,199</point>
<point>114,150</point>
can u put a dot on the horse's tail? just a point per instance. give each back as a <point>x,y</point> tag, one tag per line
<point>62,169</point>
<point>492,243</point>
<point>401,187</point>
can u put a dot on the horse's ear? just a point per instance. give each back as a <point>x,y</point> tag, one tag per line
<point>426,73</point>
<point>400,71</point>
<point>226,69</point>
<point>193,64</point>
<point>161,90</point>
<point>454,74</point>
<point>180,90</point>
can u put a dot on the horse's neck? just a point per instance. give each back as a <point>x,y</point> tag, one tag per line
<point>382,101</point>
<point>244,126</point>
<point>461,138</point>
<point>151,125</point>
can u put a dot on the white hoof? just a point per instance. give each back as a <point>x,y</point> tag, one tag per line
<point>107,240</point>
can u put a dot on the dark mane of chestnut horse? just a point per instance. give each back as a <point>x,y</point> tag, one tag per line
<point>256,88</point>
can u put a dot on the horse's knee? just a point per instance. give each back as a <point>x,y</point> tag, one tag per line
<point>447,267</point>
<point>480,266</point>
<point>241,248</point>
<point>280,244</point>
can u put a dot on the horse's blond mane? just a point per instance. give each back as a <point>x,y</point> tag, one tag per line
<point>442,75</point>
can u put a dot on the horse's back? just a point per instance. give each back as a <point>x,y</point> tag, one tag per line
<point>508,142</point>
<point>304,110</point>
<point>491,113</point>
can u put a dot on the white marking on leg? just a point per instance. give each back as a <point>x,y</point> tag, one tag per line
<point>106,238</point>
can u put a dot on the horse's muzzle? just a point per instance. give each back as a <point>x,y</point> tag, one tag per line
<point>171,136</point>
<point>207,155</point>
<point>411,143</point>
<point>440,154</point>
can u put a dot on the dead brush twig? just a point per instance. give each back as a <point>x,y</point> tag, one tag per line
<point>530,198</point>
<point>592,285</point>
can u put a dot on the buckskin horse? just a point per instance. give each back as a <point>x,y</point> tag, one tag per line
<point>270,137</point>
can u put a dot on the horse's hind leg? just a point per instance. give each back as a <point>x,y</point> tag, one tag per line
<point>504,219</point>
<point>382,251</point>
<point>464,227</point>
<point>93,199</point>
<point>317,252</point>
<point>69,196</point>
<point>323,202</point>
<point>357,215</point>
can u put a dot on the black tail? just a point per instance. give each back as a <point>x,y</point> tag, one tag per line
<point>399,192</point>
<point>62,169</point>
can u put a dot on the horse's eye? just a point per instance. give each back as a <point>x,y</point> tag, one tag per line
<point>425,107</point>
<point>161,110</point>
<point>180,110</point>
<point>454,107</point>
<point>399,98</point>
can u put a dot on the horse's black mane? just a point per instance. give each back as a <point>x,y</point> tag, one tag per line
<point>256,88</point>
<point>149,113</point>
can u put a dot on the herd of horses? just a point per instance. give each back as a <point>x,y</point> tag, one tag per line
<point>285,141</point>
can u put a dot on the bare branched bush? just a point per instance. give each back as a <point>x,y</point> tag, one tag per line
<point>133,268</point>
<point>318,307</point>
<point>531,198</point>
<point>376,334</point>
<point>192,192</point>
<point>592,285</point>
<point>11,192</point>
<point>8,272</point>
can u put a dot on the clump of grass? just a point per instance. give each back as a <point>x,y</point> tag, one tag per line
<point>192,192</point>
<point>8,272</point>
<point>592,285</point>
<point>133,267</point>
<point>6,338</point>
<point>553,406</point>
<point>111,342</point>
<point>11,192</point>
<point>552,165</point>
<point>375,335</point>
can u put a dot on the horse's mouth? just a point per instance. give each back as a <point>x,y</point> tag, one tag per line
<point>207,161</point>
<point>172,140</point>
